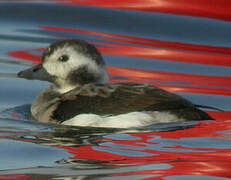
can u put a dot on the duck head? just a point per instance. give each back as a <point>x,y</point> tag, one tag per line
<point>68,64</point>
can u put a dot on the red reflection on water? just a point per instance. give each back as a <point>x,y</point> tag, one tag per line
<point>210,162</point>
<point>191,83</point>
<point>153,49</point>
<point>200,8</point>
<point>207,162</point>
<point>216,169</point>
<point>12,177</point>
<point>25,55</point>
<point>203,82</point>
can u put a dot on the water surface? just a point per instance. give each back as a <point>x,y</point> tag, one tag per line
<point>183,51</point>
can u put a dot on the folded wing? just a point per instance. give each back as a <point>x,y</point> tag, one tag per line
<point>123,98</point>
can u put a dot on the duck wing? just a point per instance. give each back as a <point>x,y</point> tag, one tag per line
<point>104,99</point>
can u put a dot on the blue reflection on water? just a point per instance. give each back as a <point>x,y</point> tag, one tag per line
<point>32,145</point>
<point>158,26</point>
<point>18,155</point>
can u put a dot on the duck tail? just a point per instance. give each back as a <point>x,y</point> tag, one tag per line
<point>208,107</point>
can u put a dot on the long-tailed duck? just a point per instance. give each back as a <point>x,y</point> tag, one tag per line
<point>80,94</point>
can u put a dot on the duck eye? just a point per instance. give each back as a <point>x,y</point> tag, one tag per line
<point>63,58</point>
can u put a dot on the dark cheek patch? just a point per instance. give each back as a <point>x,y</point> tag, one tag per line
<point>82,76</point>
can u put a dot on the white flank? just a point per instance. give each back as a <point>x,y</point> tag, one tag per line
<point>129,120</point>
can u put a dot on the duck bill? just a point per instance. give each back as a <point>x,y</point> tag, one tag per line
<point>35,73</point>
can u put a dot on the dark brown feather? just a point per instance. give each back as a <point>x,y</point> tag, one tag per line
<point>123,98</point>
